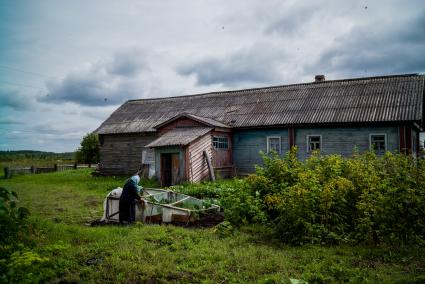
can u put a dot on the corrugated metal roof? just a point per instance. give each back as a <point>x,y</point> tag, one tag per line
<point>204,120</point>
<point>179,136</point>
<point>374,99</point>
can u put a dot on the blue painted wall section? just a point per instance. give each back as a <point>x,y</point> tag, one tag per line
<point>248,143</point>
<point>343,140</point>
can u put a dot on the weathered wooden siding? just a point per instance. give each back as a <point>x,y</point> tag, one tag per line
<point>182,122</point>
<point>344,140</point>
<point>248,143</point>
<point>198,168</point>
<point>415,141</point>
<point>121,154</point>
<point>222,159</point>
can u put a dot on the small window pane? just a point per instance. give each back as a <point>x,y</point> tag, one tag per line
<point>378,144</point>
<point>314,143</point>
<point>221,143</point>
<point>274,144</point>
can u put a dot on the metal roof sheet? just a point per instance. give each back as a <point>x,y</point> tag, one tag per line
<point>204,120</point>
<point>376,99</point>
<point>179,136</point>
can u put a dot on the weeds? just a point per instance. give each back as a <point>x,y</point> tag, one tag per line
<point>68,251</point>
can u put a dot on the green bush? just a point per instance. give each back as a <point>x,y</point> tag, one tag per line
<point>241,206</point>
<point>330,199</point>
<point>11,216</point>
<point>13,238</point>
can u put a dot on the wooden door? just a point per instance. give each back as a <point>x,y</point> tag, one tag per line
<point>166,170</point>
<point>175,169</point>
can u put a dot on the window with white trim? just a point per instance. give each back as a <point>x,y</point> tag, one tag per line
<point>274,143</point>
<point>378,143</point>
<point>314,142</point>
<point>221,142</point>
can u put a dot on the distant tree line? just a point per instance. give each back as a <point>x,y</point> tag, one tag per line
<point>87,153</point>
<point>6,156</point>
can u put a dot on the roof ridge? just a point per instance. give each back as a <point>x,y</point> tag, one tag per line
<point>280,86</point>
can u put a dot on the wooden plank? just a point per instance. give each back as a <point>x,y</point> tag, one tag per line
<point>175,169</point>
<point>291,137</point>
<point>197,165</point>
<point>210,167</point>
<point>408,139</point>
<point>402,143</point>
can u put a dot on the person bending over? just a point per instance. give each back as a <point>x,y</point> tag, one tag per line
<point>129,196</point>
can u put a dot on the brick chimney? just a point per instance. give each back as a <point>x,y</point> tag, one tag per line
<point>319,78</point>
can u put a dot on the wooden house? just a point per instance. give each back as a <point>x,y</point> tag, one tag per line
<point>175,137</point>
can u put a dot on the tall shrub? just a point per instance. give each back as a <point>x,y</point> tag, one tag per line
<point>89,150</point>
<point>329,199</point>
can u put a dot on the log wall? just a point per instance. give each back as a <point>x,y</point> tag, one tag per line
<point>121,154</point>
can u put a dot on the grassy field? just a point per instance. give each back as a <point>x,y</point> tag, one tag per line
<point>26,163</point>
<point>62,203</point>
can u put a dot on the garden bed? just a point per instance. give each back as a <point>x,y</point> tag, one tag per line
<point>165,206</point>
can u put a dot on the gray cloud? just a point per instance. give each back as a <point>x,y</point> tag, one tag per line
<point>10,121</point>
<point>185,47</point>
<point>127,63</point>
<point>107,82</point>
<point>15,100</point>
<point>376,49</point>
<point>255,64</point>
<point>293,19</point>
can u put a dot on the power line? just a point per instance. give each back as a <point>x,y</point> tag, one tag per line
<point>24,71</point>
<point>18,130</point>
<point>21,85</point>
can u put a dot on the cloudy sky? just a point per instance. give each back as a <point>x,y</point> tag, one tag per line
<point>65,66</point>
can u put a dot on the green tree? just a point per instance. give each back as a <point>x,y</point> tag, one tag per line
<point>89,150</point>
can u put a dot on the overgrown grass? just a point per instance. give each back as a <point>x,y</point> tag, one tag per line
<point>61,203</point>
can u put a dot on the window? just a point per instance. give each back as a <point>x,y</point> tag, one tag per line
<point>314,142</point>
<point>273,144</point>
<point>378,143</point>
<point>220,142</point>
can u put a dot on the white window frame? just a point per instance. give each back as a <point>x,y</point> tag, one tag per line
<point>223,149</point>
<point>376,134</point>
<point>280,143</point>
<point>308,142</point>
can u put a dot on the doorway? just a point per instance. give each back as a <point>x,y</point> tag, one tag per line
<point>170,169</point>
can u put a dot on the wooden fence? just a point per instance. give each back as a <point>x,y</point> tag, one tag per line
<point>9,172</point>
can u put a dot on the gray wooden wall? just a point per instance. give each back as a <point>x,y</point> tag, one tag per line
<point>343,140</point>
<point>248,143</point>
<point>121,154</point>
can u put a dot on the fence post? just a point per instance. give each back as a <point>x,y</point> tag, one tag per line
<point>33,170</point>
<point>56,167</point>
<point>6,172</point>
<point>89,165</point>
<point>75,166</point>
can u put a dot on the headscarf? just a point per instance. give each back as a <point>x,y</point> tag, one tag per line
<point>136,179</point>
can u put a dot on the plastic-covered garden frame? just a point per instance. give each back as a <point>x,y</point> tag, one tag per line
<point>159,206</point>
